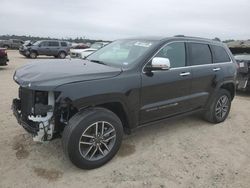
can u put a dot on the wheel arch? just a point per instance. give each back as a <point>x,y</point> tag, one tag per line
<point>229,86</point>
<point>118,109</point>
<point>35,51</point>
<point>115,105</point>
<point>6,45</point>
<point>62,51</point>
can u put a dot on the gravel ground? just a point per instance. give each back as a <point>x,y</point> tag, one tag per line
<point>188,152</point>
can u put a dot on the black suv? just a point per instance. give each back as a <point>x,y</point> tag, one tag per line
<point>58,49</point>
<point>124,85</point>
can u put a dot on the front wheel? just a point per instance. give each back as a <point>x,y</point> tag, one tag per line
<point>33,55</point>
<point>219,107</point>
<point>92,138</point>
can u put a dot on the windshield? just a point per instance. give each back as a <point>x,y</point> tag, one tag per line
<point>37,43</point>
<point>121,52</point>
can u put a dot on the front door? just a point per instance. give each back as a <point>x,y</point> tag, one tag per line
<point>43,48</point>
<point>165,93</point>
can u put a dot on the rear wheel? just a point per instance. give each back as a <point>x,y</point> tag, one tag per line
<point>219,108</point>
<point>6,46</point>
<point>61,55</point>
<point>92,138</point>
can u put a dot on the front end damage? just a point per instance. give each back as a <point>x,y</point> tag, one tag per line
<point>35,111</point>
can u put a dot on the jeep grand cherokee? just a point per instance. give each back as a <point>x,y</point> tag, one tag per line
<point>126,84</point>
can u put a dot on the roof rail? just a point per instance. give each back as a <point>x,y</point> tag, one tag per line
<point>179,36</point>
<point>216,39</point>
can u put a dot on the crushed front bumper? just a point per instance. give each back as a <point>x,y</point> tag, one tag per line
<point>30,127</point>
<point>24,52</point>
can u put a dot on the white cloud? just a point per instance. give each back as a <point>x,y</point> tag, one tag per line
<point>111,19</point>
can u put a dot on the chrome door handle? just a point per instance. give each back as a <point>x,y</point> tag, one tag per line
<point>216,69</point>
<point>184,73</point>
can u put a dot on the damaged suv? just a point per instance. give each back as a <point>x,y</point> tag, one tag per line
<point>129,83</point>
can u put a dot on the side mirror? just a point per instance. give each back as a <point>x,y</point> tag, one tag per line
<point>159,63</point>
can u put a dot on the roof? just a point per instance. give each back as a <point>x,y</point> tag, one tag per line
<point>162,38</point>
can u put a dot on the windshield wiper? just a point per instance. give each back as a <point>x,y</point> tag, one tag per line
<point>97,61</point>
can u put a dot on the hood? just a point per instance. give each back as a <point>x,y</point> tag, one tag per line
<point>49,74</point>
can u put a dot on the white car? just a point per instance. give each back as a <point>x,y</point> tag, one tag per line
<point>82,53</point>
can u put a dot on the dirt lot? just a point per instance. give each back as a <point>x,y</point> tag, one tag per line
<point>181,153</point>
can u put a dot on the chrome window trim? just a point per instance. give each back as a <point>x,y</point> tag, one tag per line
<point>184,41</point>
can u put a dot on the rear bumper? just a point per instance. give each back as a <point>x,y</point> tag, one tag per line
<point>31,128</point>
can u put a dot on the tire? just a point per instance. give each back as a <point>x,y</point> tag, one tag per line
<point>6,46</point>
<point>214,113</point>
<point>61,55</point>
<point>74,143</point>
<point>33,55</point>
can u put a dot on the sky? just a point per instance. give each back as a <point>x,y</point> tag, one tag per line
<point>115,19</point>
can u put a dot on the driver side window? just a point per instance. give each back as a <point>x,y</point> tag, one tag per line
<point>176,54</point>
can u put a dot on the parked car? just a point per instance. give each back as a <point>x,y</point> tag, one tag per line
<point>58,49</point>
<point>79,46</point>
<point>243,78</point>
<point>3,57</point>
<point>28,43</point>
<point>122,86</point>
<point>83,53</point>
<point>11,43</point>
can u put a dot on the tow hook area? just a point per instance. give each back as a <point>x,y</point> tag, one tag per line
<point>46,123</point>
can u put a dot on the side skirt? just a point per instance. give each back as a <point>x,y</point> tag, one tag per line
<point>196,111</point>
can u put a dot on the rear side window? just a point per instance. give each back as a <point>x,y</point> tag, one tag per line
<point>53,43</point>
<point>219,54</point>
<point>175,52</point>
<point>199,54</point>
<point>63,44</point>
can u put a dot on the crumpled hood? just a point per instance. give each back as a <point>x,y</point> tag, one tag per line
<point>49,74</point>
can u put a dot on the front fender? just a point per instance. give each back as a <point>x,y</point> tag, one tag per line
<point>121,89</point>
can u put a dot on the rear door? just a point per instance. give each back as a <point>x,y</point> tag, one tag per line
<point>64,46</point>
<point>204,73</point>
<point>54,48</point>
<point>165,93</point>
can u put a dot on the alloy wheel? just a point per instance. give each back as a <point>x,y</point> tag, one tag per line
<point>97,140</point>
<point>222,107</point>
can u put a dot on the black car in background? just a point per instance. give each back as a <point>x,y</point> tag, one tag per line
<point>3,57</point>
<point>58,49</point>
